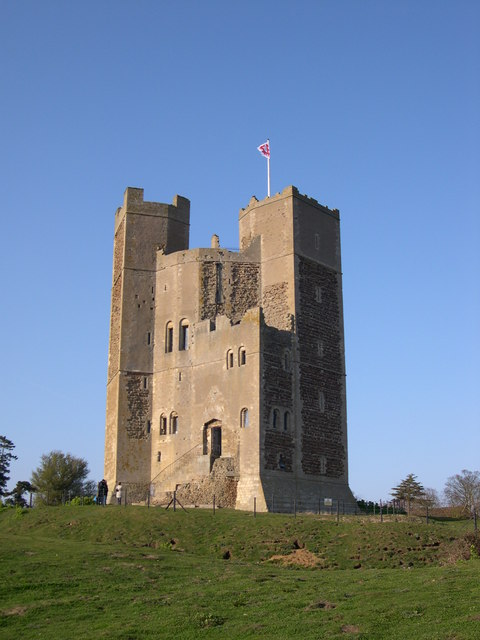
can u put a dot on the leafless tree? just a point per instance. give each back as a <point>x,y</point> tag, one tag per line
<point>463,490</point>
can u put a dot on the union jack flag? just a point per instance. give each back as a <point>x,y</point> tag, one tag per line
<point>265,149</point>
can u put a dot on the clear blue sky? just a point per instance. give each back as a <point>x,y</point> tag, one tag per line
<point>371,107</point>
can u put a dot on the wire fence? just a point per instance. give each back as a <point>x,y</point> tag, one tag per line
<point>275,503</point>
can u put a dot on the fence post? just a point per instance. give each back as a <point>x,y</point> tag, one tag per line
<point>273,503</point>
<point>381,511</point>
<point>254,507</point>
<point>148,498</point>
<point>475,521</point>
<point>319,500</point>
<point>175,500</point>
<point>125,504</point>
<point>30,499</point>
<point>338,510</point>
<point>213,504</point>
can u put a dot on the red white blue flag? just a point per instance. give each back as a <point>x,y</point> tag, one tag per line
<point>265,149</point>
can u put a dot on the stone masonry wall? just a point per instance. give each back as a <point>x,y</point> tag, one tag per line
<point>277,394</point>
<point>228,288</point>
<point>115,326</point>
<point>221,483</point>
<point>115,318</point>
<point>275,306</point>
<point>321,369</point>
<point>139,405</point>
<point>243,289</point>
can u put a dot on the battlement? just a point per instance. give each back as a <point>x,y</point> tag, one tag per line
<point>133,202</point>
<point>288,191</point>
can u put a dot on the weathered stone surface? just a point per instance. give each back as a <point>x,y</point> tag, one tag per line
<point>226,369</point>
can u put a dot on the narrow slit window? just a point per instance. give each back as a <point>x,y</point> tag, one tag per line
<point>318,293</point>
<point>149,426</point>
<point>163,425</point>
<point>275,417</point>
<point>218,289</point>
<point>322,464</point>
<point>286,421</point>
<point>229,359</point>
<point>320,348</point>
<point>145,383</point>
<point>149,338</point>
<point>169,338</point>
<point>244,419</point>
<point>321,401</point>
<point>159,456</point>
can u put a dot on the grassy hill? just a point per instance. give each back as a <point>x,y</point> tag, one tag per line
<point>134,573</point>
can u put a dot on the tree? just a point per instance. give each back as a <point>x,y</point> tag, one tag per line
<point>408,489</point>
<point>59,474</point>
<point>428,499</point>
<point>463,490</point>
<point>16,498</point>
<point>6,456</point>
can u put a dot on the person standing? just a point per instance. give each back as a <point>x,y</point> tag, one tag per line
<point>102,492</point>
<point>119,492</point>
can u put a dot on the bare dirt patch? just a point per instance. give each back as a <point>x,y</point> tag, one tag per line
<point>350,628</point>
<point>15,611</point>
<point>323,604</point>
<point>299,557</point>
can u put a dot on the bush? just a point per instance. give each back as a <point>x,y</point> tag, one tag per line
<point>80,501</point>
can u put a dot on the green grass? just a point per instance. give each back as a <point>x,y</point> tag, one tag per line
<point>129,574</point>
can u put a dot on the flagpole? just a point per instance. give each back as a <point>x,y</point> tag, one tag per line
<point>268,169</point>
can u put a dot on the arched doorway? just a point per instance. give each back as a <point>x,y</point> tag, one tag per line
<point>212,440</point>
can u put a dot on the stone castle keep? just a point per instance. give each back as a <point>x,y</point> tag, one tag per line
<point>226,372</point>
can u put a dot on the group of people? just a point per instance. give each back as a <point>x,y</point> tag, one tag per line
<point>102,492</point>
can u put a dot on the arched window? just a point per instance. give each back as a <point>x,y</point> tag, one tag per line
<point>169,337</point>
<point>242,356</point>
<point>281,462</point>
<point>229,359</point>
<point>173,423</point>
<point>163,425</point>
<point>275,418</point>
<point>183,333</point>
<point>286,421</point>
<point>321,401</point>
<point>244,418</point>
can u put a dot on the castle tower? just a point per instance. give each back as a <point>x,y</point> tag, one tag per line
<point>227,369</point>
<point>141,230</point>
<point>303,435</point>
